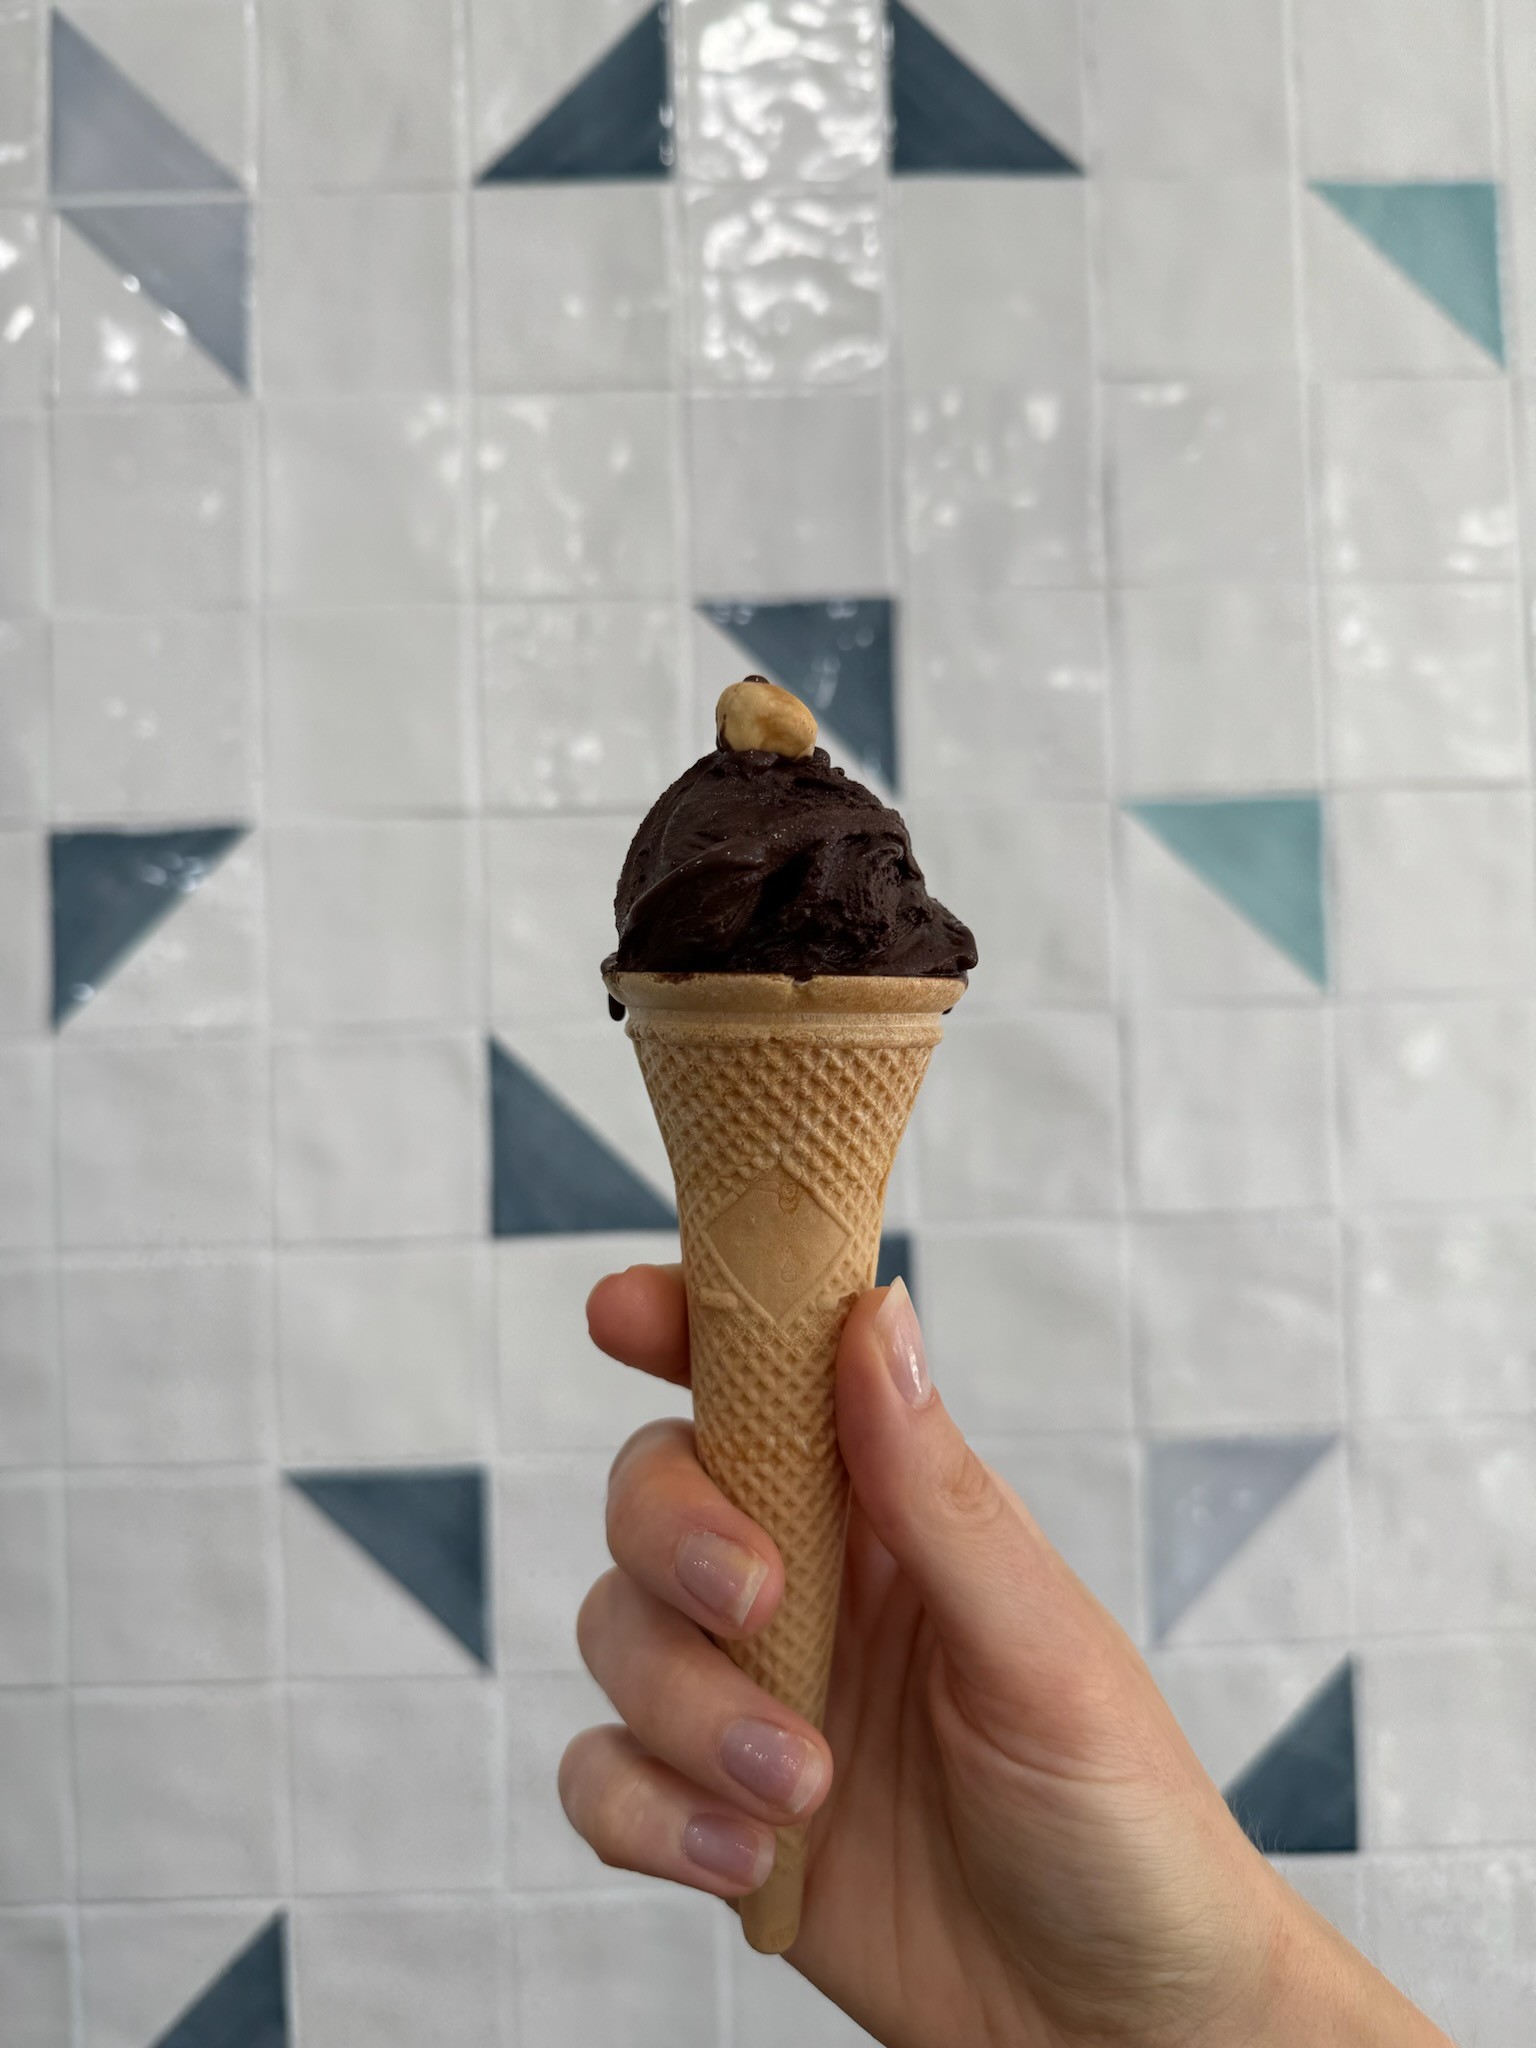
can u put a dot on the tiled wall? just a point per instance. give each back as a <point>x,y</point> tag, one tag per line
<point>406,428</point>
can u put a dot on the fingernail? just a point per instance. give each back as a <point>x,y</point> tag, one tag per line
<point>901,1340</point>
<point>780,1768</point>
<point>719,1574</point>
<point>729,1848</point>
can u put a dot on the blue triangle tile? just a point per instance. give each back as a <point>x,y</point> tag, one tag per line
<point>1443,237</point>
<point>944,117</point>
<point>895,1262</point>
<point>551,1173</point>
<point>1298,1797</point>
<point>1263,855</point>
<point>426,1527</point>
<point>1205,1498</point>
<point>836,653</point>
<point>615,122</point>
<point>110,889</point>
<point>246,2005</point>
<point>191,256</point>
<point>108,136</point>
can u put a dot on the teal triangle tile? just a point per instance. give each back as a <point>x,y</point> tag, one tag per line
<point>551,1173</point>
<point>615,122</point>
<point>1263,855</point>
<point>246,2005</point>
<point>191,256</point>
<point>1205,1498</point>
<point>426,1528</point>
<point>110,889</point>
<point>946,118</point>
<point>836,653</point>
<point>108,136</point>
<point>1298,1797</point>
<point>1443,237</point>
<point>895,1261</point>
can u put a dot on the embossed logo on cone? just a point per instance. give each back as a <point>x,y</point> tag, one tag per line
<point>777,1242</point>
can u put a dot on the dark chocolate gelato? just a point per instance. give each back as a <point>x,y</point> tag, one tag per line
<point>757,863</point>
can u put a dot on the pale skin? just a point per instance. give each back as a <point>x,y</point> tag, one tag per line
<point>1012,1843</point>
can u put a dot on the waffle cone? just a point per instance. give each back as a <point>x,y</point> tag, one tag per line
<point>781,1105</point>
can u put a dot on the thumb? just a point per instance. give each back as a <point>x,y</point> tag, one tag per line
<point>1005,1605</point>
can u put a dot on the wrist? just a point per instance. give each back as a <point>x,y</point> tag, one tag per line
<point>1315,1986</point>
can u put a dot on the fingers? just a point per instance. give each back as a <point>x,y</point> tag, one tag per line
<point>640,1317</point>
<point>687,1704</point>
<point>639,1815</point>
<point>676,1534</point>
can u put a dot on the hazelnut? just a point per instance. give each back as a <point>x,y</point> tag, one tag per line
<point>756,715</point>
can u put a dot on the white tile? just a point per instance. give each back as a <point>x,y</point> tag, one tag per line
<point>398,1976</point>
<point>1083,1491</point>
<point>154,718</point>
<point>1208,481</point>
<point>351,100</point>
<point>1184,88</point>
<point>367,711</point>
<point>1019,1117</point>
<point>1435,1102</point>
<point>1426,683</point>
<point>1033,882</point>
<point>35,1967</point>
<point>577,496</point>
<point>1415,480</point>
<point>24,727</point>
<point>1013,252</point>
<point>24,933</point>
<point>394,1786</point>
<point>544,1711</point>
<point>1366,317</point>
<point>1458,1934</point>
<point>785,288</point>
<point>1026,1329</point>
<point>1445,1316</point>
<point>380,1138</point>
<point>347,1617</point>
<point>117,342</point>
<point>1394,88</point>
<point>1232,1109</point>
<point>583,705</point>
<point>793,96</point>
<point>1446,1527</point>
<point>1006,693</point>
<point>365,501</point>
<point>162,1144</point>
<point>1435,891</point>
<point>23,514</point>
<point>550,882</point>
<point>572,289</point>
<point>550,1519</point>
<point>1030,50</point>
<point>24,311</point>
<point>141,1966</point>
<point>178,1792</point>
<point>1199,277</point>
<point>150,509</point>
<point>36,1855</point>
<point>385,1353</point>
<point>1516,33</point>
<point>1237,1326</point>
<point>22,100</point>
<point>771,2005</point>
<point>1185,943</point>
<point>1000,485</point>
<point>167,1362</point>
<point>1292,1580</point>
<point>1431,1772</point>
<point>29,1365</point>
<point>642,1971</point>
<point>789,495</point>
<point>374,923</point>
<point>357,292</point>
<point>31,1582</point>
<point>558,1391</point>
<point>26,1159</point>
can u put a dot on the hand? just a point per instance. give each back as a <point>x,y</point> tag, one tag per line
<point>1016,1843</point>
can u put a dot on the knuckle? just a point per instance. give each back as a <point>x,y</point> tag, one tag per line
<point>594,1614</point>
<point>967,1489</point>
<point>618,1818</point>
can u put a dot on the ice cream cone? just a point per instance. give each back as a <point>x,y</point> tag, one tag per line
<point>781,1104</point>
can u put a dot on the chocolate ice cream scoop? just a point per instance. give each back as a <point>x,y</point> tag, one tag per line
<point>765,859</point>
